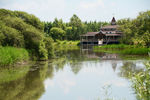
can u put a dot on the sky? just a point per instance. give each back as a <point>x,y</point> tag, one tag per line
<point>86,10</point>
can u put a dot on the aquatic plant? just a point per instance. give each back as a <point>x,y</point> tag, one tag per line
<point>141,83</point>
<point>122,49</point>
<point>135,51</point>
<point>114,46</point>
<point>11,55</point>
<point>11,74</point>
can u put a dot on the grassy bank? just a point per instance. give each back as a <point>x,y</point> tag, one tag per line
<point>141,83</point>
<point>114,46</point>
<point>122,49</point>
<point>66,45</point>
<point>11,55</point>
<point>60,47</point>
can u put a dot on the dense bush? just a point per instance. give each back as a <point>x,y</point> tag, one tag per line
<point>57,33</point>
<point>141,83</point>
<point>21,29</point>
<point>30,19</point>
<point>136,31</point>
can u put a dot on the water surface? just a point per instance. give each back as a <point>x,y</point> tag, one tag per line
<point>74,75</point>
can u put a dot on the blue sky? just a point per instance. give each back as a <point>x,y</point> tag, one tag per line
<point>100,10</point>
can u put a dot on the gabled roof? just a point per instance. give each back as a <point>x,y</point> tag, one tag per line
<point>112,34</point>
<point>110,26</point>
<point>90,34</point>
<point>113,21</point>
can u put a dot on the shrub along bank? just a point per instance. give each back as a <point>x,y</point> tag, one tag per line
<point>11,55</point>
<point>23,30</point>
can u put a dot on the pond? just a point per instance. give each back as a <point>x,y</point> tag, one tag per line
<point>74,75</point>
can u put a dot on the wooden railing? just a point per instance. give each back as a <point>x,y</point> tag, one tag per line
<point>111,40</point>
<point>89,40</point>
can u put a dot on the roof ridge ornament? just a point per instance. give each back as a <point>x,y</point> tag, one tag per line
<point>113,21</point>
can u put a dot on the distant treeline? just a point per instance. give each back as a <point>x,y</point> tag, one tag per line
<point>136,31</point>
<point>20,29</point>
<point>72,29</point>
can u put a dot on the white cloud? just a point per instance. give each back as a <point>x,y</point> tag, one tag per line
<point>48,83</point>
<point>66,84</point>
<point>41,8</point>
<point>113,4</point>
<point>87,10</point>
<point>81,98</point>
<point>91,4</point>
<point>117,83</point>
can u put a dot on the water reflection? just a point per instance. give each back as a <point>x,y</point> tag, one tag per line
<point>130,67</point>
<point>28,87</point>
<point>74,75</point>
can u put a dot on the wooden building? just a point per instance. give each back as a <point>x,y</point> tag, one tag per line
<point>107,35</point>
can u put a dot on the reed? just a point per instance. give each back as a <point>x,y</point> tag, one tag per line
<point>122,49</point>
<point>11,55</point>
<point>114,46</point>
<point>135,51</point>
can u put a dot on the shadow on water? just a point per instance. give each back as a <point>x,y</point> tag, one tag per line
<point>27,82</point>
<point>27,87</point>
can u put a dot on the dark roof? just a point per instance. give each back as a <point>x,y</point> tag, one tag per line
<point>90,34</point>
<point>113,34</point>
<point>110,26</point>
<point>113,21</point>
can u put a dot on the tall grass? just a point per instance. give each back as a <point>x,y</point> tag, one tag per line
<point>114,46</point>
<point>136,51</point>
<point>11,55</point>
<point>141,83</point>
<point>122,49</point>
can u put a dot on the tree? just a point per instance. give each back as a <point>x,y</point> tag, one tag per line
<point>77,28</point>
<point>59,23</point>
<point>21,29</point>
<point>146,38</point>
<point>75,21</point>
<point>136,31</point>
<point>57,33</point>
<point>69,33</point>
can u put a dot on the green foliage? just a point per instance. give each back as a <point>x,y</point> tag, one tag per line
<point>10,36</point>
<point>30,19</point>
<point>136,31</point>
<point>11,55</point>
<point>21,29</point>
<point>69,34</point>
<point>49,46</point>
<point>5,13</point>
<point>141,83</point>
<point>59,23</point>
<point>122,49</point>
<point>42,51</point>
<point>77,27</point>
<point>135,51</point>
<point>114,46</point>
<point>74,28</point>
<point>75,21</point>
<point>26,82</point>
<point>11,74</point>
<point>61,46</point>
<point>57,33</point>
